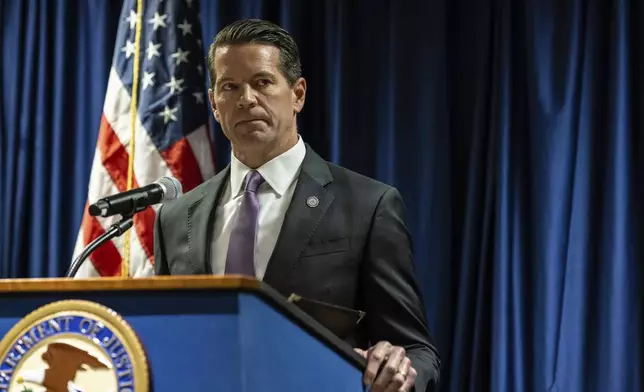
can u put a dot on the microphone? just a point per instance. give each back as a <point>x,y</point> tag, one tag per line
<point>127,204</point>
<point>136,200</point>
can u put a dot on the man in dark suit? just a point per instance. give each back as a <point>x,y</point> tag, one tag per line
<point>319,230</point>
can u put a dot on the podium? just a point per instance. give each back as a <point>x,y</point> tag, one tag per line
<point>166,333</point>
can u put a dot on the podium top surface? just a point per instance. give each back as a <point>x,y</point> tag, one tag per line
<point>190,282</point>
<point>187,283</point>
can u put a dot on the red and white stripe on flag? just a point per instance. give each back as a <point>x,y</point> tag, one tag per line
<point>172,132</point>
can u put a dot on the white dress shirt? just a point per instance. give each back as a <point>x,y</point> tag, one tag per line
<point>275,194</point>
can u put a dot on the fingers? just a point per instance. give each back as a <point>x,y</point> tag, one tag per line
<point>398,380</point>
<point>360,351</point>
<point>410,380</point>
<point>389,374</point>
<point>375,359</point>
<point>388,368</point>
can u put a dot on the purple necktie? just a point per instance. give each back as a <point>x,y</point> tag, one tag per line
<point>241,248</point>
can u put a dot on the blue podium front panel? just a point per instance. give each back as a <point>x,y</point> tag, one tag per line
<point>190,338</point>
<point>206,340</point>
<point>277,355</point>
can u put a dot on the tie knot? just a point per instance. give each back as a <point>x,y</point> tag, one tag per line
<point>252,181</point>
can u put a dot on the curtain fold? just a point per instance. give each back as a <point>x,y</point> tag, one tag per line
<point>55,62</point>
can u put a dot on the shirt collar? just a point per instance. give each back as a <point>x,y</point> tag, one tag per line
<point>279,173</point>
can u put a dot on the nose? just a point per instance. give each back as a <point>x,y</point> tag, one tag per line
<point>247,99</point>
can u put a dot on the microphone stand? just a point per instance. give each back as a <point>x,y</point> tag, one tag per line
<point>116,230</point>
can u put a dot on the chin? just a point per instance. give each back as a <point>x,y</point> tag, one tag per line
<point>252,132</point>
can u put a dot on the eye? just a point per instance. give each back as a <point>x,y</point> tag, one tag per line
<point>263,82</point>
<point>227,87</point>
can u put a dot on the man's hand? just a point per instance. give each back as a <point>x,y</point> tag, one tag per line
<point>396,373</point>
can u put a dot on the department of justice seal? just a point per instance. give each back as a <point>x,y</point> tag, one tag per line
<point>72,346</point>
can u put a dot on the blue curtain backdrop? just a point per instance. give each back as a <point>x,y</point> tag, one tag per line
<point>513,129</point>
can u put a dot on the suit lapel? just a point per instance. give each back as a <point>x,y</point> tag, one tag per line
<point>201,215</point>
<point>309,204</point>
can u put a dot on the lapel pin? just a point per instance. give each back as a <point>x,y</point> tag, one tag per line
<point>312,201</point>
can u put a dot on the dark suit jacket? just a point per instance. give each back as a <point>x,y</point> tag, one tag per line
<point>353,250</point>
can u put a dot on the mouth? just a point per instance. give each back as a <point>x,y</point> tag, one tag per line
<point>252,121</point>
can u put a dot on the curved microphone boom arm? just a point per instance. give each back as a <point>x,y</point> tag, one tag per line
<point>116,230</point>
<point>127,204</point>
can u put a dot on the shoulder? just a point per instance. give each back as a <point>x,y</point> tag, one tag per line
<point>343,182</point>
<point>363,189</point>
<point>359,181</point>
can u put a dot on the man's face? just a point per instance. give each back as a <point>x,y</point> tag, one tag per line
<point>251,99</point>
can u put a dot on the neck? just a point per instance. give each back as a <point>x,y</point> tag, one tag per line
<point>256,157</point>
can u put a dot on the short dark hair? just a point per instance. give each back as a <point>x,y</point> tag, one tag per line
<point>251,31</point>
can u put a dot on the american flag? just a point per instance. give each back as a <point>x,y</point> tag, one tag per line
<point>172,127</point>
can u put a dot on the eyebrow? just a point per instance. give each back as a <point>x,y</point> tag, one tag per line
<point>255,76</point>
<point>264,74</point>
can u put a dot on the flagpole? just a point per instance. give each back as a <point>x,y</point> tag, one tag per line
<point>125,265</point>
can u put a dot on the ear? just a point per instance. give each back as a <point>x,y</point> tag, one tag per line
<point>213,105</point>
<point>299,95</point>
